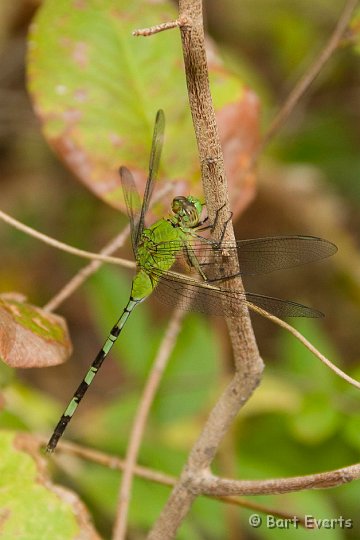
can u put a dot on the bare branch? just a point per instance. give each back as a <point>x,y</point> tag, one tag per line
<point>145,32</point>
<point>213,485</point>
<point>64,247</point>
<point>307,344</point>
<point>113,462</point>
<point>248,363</point>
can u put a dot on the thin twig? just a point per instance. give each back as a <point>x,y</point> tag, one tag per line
<point>76,281</point>
<point>64,247</point>
<point>145,32</point>
<point>140,420</point>
<point>208,287</point>
<point>248,363</point>
<point>307,344</point>
<point>109,461</point>
<point>306,80</point>
<point>115,463</point>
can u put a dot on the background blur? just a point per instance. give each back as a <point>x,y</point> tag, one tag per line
<point>302,419</point>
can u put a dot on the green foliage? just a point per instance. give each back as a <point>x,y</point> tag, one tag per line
<point>31,507</point>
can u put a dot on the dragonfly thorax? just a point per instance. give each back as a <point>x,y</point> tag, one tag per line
<point>187,211</point>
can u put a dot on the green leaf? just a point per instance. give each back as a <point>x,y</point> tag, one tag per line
<point>191,375</point>
<point>351,430</point>
<point>30,336</point>
<point>96,89</point>
<point>32,507</point>
<point>316,421</point>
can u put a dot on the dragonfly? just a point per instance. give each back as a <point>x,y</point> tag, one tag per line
<point>177,241</point>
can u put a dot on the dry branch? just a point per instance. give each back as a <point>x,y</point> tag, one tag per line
<point>113,462</point>
<point>212,485</point>
<point>248,364</point>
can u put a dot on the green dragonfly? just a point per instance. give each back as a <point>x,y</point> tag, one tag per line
<point>176,240</point>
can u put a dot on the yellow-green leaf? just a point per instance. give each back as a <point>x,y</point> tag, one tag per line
<point>31,507</point>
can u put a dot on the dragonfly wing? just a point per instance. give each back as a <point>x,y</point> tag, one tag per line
<point>259,255</point>
<point>154,161</point>
<point>263,255</point>
<point>282,308</point>
<point>209,261</point>
<point>191,295</point>
<point>132,201</point>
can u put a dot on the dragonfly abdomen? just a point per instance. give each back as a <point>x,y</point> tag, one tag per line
<point>87,380</point>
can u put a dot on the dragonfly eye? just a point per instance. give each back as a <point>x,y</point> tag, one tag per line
<point>179,204</point>
<point>186,211</point>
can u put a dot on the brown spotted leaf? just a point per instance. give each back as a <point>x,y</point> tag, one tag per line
<point>96,89</point>
<point>30,336</point>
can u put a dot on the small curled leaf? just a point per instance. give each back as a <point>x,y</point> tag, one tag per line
<point>31,337</point>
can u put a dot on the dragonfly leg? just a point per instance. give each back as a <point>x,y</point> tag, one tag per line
<point>220,241</point>
<point>193,260</point>
<point>214,225</point>
<point>212,241</point>
<point>201,223</point>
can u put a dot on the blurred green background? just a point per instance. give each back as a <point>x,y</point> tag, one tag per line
<point>302,419</point>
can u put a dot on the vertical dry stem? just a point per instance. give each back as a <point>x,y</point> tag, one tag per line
<point>248,364</point>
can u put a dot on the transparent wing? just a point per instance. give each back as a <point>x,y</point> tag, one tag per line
<point>282,308</point>
<point>154,161</point>
<point>135,210</point>
<point>256,256</point>
<point>262,255</point>
<point>197,296</point>
<point>133,203</point>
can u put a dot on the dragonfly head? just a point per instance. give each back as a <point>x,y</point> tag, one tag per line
<point>187,210</point>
